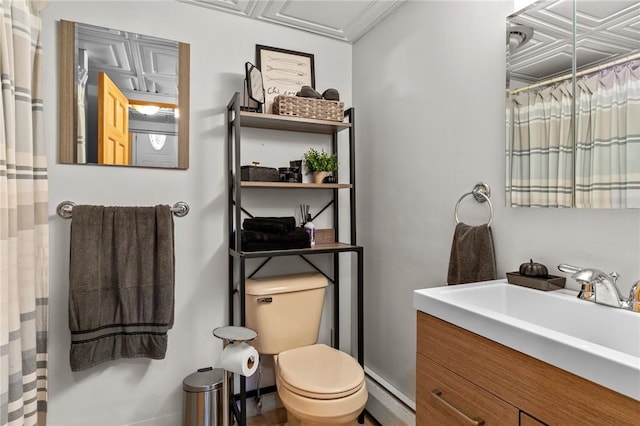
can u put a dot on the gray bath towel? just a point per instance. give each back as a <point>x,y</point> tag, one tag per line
<point>472,255</point>
<point>121,283</point>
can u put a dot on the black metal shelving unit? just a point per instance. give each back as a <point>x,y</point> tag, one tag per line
<point>236,120</point>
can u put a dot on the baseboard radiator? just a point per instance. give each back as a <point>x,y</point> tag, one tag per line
<point>387,404</point>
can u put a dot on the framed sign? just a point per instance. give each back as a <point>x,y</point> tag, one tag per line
<point>284,72</point>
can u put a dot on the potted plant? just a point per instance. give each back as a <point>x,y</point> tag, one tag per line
<point>320,164</point>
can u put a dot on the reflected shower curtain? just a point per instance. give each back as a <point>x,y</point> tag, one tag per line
<point>24,233</point>
<point>608,139</point>
<point>542,152</point>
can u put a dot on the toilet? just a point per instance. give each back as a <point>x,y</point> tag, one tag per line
<point>317,384</point>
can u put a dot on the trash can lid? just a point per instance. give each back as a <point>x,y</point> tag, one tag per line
<point>205,379</point>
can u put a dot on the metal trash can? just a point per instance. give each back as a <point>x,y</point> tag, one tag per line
<point>203,398</point>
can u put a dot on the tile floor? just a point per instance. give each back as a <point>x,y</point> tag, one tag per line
<point>279,416</point>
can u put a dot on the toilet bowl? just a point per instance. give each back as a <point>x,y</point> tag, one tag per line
<point>320,385</point>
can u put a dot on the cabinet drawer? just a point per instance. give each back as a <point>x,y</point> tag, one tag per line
<point>446,399</point>
<point>527,420</point>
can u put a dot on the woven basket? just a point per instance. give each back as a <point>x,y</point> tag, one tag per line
<point>319,109</point>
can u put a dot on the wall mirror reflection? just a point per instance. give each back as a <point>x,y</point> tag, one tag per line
<point>254,85</point>
<point>124,98</point>
<point>573,105</point>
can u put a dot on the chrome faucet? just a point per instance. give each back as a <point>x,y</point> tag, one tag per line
<point>600,287</point>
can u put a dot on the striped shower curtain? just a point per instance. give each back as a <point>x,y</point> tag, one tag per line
<point>24,234</point>
<point>541,155</point>
<point>608,138</point>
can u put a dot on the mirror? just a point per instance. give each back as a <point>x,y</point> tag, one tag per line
<point>124,98</point>
<point>573,98</point>
<point>255,88</point>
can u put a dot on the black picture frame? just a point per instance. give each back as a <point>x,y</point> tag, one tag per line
<point>284,71</point>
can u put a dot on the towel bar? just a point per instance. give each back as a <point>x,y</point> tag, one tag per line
<point>65,209</point>
<point>481,192</point>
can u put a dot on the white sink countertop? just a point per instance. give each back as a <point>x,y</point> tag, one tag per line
<point>596,342</point>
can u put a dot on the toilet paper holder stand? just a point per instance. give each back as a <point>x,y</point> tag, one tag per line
<point>231,334</point>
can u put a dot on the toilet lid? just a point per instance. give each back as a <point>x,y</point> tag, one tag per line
<point>319,371</point>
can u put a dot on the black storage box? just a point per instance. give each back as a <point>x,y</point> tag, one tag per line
<point>259,174</point>
<point>290,174</point>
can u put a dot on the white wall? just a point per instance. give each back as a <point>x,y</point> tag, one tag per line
<point>428,87</point>
<point>142,391</point>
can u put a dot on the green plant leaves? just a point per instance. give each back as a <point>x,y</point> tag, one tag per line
<point>320,161</point>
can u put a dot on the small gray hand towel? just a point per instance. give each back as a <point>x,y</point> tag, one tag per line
<point>472,255</point>
<point>121,283</point>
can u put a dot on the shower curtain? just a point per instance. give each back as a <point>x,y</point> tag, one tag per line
<point>24,234</point>
<point>608,139</point>
<point>606,170</point>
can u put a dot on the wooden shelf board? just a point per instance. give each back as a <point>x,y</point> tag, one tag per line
<point>247,184</point>
<point>294,124</point>
<point>317,249</point>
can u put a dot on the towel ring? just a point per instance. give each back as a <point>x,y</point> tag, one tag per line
<point>481,192</point>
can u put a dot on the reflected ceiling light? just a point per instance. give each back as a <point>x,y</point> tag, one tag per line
<point>157,141</point>
<point>518,36</point>
<point>146,109</point>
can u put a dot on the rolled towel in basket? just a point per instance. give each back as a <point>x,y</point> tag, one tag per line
<point>270,225</point>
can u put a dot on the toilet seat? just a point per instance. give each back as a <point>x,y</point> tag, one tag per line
<point>333,412</point>
<point>319,372</point>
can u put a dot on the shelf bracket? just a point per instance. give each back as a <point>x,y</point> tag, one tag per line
<point>302,257</point>
<point>243,210</point>
<point>260,267</point>
<point>322,210</point>
<point>317,269</point>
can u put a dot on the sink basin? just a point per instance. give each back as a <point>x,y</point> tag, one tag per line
<point>596,342</point>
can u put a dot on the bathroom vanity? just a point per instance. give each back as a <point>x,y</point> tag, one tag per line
<point>511,376</point>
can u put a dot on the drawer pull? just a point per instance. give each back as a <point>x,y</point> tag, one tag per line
<point>476,421</point>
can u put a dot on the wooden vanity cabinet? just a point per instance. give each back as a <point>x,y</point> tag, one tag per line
<point>463,378</point>
<point>527,420</point>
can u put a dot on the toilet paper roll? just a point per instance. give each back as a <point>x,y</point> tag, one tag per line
<point>239,358</point>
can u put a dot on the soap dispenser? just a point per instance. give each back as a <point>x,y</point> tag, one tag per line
<point>311,230</point>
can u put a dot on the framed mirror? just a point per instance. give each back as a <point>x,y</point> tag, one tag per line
<point>573,98</point>
<point>124,98</point>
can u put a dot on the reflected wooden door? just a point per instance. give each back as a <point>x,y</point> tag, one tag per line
<point>113,123</point>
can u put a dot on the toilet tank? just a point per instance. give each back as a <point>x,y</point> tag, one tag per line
<point>284,310</point>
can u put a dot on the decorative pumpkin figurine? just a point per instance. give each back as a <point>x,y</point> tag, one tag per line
<point>533,269</point>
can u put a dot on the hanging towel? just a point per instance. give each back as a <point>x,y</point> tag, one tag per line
<point>472,255</point>
<point>121,283</point>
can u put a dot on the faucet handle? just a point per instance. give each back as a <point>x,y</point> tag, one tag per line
<point>614,275</point>
<point>634,297</point>
<point>569,269</point>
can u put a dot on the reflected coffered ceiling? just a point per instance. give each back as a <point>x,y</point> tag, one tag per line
<point>343,20</point>
<point>605,31</point>
<point>143,67</point>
